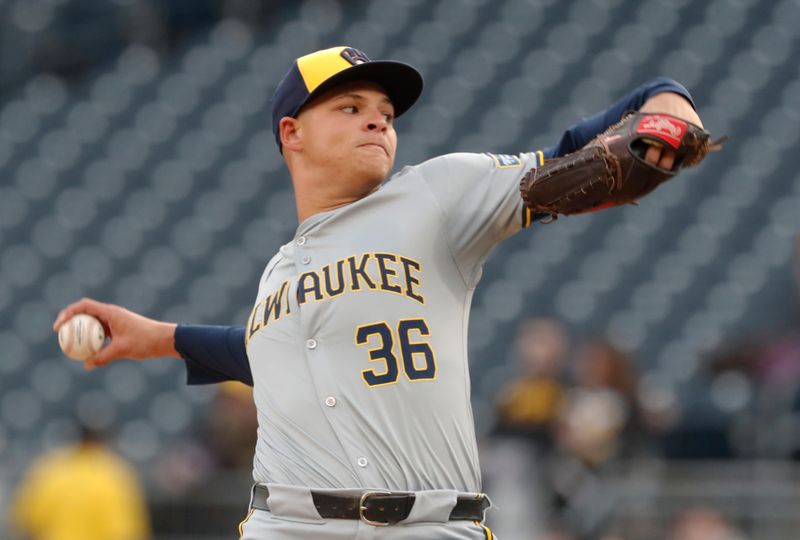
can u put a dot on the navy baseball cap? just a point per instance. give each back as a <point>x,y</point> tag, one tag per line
<point>315,73</point>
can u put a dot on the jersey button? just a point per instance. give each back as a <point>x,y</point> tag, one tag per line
<point>305,260</point>
<point>311,343</point>
<point>301,241</point>
<point>362,462</point>
<point>330,401</point>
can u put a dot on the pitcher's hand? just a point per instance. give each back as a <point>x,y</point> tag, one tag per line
<point>132,335</point>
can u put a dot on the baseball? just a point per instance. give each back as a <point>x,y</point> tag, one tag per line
<point>81,337</point>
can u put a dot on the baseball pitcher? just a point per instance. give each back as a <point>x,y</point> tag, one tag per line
<point>356,344</point>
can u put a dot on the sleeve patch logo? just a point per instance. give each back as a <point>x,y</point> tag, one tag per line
<point>665,128</point>
<point>505,161</point>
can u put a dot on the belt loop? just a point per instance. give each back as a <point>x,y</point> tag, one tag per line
<point>252,495</point>
<point>435,506</point>
<point>486,503</point>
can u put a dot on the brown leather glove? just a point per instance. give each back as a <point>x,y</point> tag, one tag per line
<point>611,170</point>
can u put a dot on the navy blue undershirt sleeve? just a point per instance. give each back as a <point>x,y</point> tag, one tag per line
<point>587,129</point>
<point>213,354</point>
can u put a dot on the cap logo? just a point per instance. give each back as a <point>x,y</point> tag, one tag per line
<point>354,56</point>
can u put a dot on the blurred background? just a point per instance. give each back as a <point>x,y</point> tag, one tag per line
<point>635,372</point>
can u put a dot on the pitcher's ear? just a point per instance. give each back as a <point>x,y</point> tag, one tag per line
<point>291,136</point>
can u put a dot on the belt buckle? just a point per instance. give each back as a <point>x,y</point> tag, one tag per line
<point>362,506</point>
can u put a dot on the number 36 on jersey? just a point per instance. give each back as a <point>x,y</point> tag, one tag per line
<point>385,343</point>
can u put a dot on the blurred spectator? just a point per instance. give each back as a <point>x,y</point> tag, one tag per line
<point>778,364</point>
<point>227,443</point>
<point>758,377</point>
<point>529,405</point>
<point>80,492</point>
<point>777,374</point>
<point>701,429</point>
<point>601,407</point>
<point>232,426</point>
<point>527,411</point>
<point>597,417</point>
<point>703,524</point>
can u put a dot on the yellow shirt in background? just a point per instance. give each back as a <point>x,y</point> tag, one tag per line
<point>530,402</point>
<point>84,492</point>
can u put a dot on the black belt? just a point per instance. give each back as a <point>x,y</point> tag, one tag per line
<point>376,507</point>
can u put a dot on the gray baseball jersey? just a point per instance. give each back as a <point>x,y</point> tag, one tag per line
<point>358,338</point>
